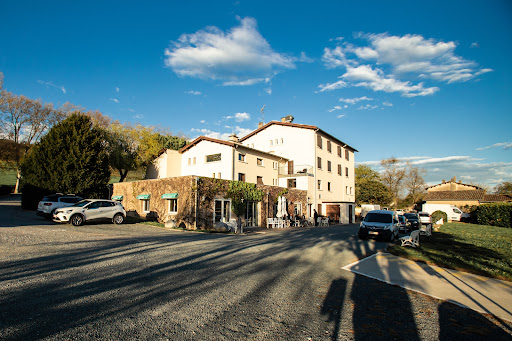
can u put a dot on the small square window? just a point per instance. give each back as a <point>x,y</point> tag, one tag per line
<point>173,205</point>
<point>329,146</point>
<point>259,180</point>
<point>339,169</point>
<point>292,183</point>
<point>328,166</point>
<point>145,206</point>
<point>347,155</point>
<point>241,177</point>
<point>319,184</point>
<point>259,162</point>
<point>319,162</point>
<point>241,157</point>
<point>319,141</point>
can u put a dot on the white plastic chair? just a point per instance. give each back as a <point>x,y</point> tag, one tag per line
<point>411,240</point>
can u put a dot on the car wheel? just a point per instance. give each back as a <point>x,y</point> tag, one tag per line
<point>77,220</point>
<point>362,237</point>
<point>118,219</point>
<point>392,237</point>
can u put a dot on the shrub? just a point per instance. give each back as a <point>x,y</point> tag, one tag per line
<point>439,215</point>
<point>6,189</point>
<point>498,214</point>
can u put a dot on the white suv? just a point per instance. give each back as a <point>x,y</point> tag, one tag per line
<point>50,203</point>
<point>89,210</point>
<point>425,218</point>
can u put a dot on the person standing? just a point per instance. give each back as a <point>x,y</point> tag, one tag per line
<point>315,217</point>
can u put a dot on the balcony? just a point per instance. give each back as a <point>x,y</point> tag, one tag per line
<point>295,171</point>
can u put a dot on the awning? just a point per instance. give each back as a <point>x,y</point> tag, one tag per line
<point>117,197</point>
<point>170,196</point>
<point>143,196</point>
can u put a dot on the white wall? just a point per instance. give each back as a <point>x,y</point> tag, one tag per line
<point>207,169</point>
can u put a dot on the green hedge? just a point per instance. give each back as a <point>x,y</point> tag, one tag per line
<point>499,214</point>
<point>438,215</point>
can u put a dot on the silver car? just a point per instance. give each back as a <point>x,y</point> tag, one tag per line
<point>50,203</point>
<point>90,210</point>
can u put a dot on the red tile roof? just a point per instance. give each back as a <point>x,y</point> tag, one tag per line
<point>496,198</point>
<point>477,194</point>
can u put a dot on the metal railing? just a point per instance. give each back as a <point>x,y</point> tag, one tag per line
<point>298,170</point>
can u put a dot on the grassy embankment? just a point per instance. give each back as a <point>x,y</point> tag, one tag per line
<point>479,249</point>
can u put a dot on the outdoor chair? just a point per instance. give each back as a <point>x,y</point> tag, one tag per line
<point>411,240</point>
<point>426,230</point>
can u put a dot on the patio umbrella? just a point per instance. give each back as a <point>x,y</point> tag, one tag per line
<point>279,208</point>
<point>283,207</point>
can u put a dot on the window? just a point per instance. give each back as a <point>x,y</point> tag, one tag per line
<point>271,142</point>
<point>145,205</point>
<point>328,166</point>
<point>218,175</point>
<point>329,146</point>
<point>194,161</point>
<point>329,186</point>
<point>277,141</point>
<point>173,205</point>
<point>241,157</point>
<point>275,182</point>
<point>213,176</point>
<point>339,151</point>
<point>259,180</point>
<point>189,161</point>
<point>351,191</point>
<point>292,183</point>
<point>346,189</point>
<point>319,141</point>
<point>339,169</point>
<point>282,140</point>
<point>274,165</point>
<point>346,155</point>
<point>241,177</point>
<point>346,171</point>
<point>259,162</point>
<point>319,162</point>
<point>319,184</point>
<point>213,157</point>
<point>222,210</point>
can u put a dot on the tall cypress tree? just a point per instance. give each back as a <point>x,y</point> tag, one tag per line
<point>71,158</point>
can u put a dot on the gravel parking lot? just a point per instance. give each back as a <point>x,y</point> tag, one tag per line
<point>104,281</point>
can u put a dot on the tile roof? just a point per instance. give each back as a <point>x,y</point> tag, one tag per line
<point>477,194</point>
<point>294,125</point>
<point>496,197</point>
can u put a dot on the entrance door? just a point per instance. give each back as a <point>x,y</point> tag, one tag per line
<point>350,217</point>
<point>333,212</point>
<point>252,213</point>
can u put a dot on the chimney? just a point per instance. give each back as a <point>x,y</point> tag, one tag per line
<point>233,138</point>
<point>260,124</point>
<point>287,118</point>
<point>454,179</point>
<point>444,181</point>
<point>460,181</point>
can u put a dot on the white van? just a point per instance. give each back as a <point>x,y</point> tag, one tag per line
<point>380,224</point>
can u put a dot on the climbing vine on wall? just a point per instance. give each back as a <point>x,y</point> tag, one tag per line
<point>240,193</point>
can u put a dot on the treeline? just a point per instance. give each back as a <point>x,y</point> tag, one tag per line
<point>122,147</point>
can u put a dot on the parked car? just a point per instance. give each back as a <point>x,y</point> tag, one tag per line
<point>379,224</point>
<point>90,210</point>
<point>425,218</point>
<point>403,223</point>
<point>414,220</point>
<point>50,203</point>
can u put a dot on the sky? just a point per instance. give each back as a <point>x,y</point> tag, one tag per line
<point>429,83</point>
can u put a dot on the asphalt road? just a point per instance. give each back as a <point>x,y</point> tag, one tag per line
<point>105,281</point>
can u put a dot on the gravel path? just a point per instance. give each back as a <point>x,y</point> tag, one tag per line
<point>142,282</point>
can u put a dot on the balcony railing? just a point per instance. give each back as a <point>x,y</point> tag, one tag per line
<point>299,170</point>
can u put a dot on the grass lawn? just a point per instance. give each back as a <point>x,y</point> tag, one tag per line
<point>479,249</point>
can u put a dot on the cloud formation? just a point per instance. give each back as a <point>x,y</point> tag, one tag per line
<point>240,56</point>
<point>504,145</point>
<point>61,88</point>
<point>392,63</point>
<point>239,117</point>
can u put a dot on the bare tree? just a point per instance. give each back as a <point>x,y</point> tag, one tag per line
<point>24,121</point>
<point>414,182</point>
<point>393,176</point>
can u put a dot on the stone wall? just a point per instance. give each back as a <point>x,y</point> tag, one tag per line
<point>207,189</point>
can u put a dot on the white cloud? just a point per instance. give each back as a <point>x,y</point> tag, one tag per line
<point>117,89</point>
<point>468,168</point>
<point>239,117</point>
<point>238,57</point>
<point>475,44</point>
<point>268,91</point>
<point>355,100</point>
<point>367,107</point>
<point>336,107</point>
<point>240,132</point>
<point>61,88</point>
<point>504,145</point>
<point>390,64</point>
<point>114,100</point>
<point>387,104</point>
<point>193,92</point>
<point>340,116</point>
<point>305,59</point>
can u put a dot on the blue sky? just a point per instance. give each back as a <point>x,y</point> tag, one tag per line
<point>427,83</point>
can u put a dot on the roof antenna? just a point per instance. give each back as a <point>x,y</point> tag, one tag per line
<point>263,113</point>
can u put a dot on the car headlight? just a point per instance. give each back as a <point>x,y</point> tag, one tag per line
<point>67,211</point>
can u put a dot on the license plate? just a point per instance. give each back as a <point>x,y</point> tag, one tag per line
<point>373,232</point>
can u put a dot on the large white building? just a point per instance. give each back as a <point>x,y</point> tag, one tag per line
<point>283,154</point>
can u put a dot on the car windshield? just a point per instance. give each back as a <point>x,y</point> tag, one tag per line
<point>378,218</point>
<point>82,203</point>
<point>411,216</point>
